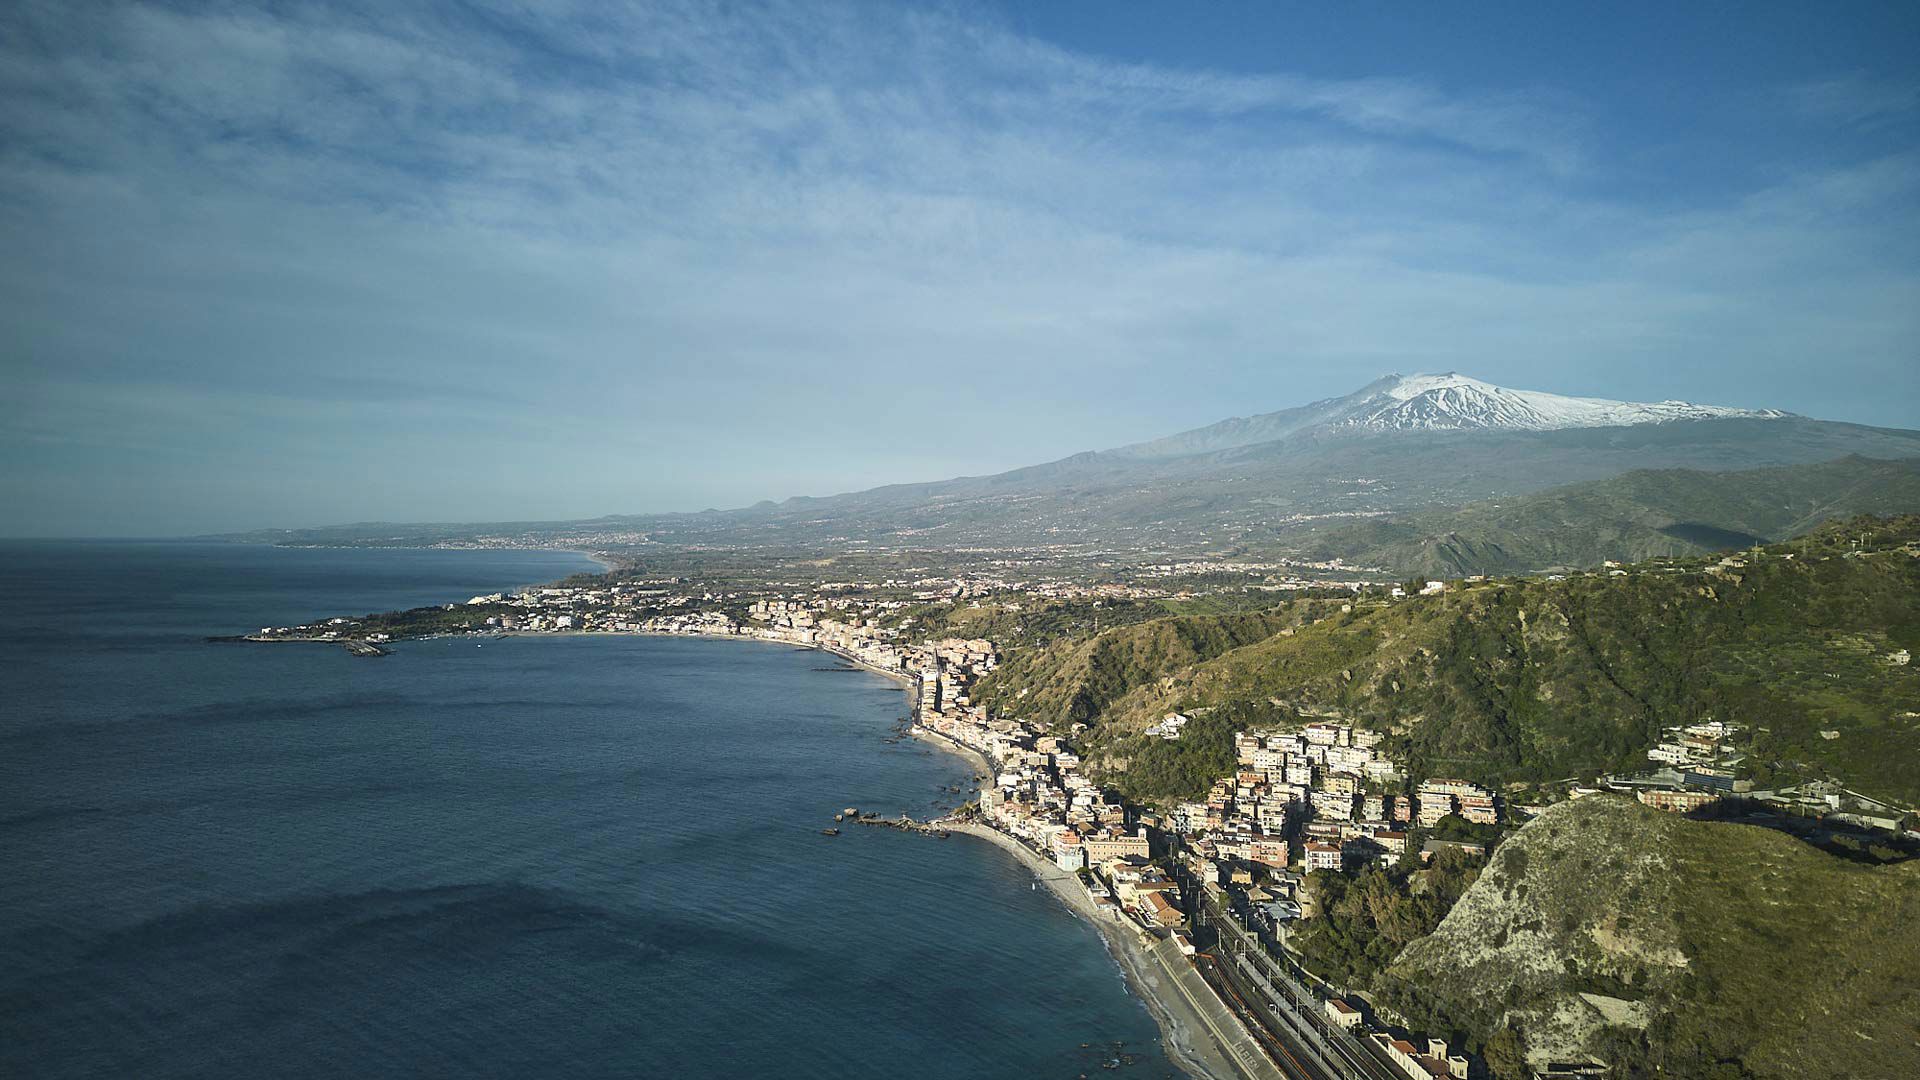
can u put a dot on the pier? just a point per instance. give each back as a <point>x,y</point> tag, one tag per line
<point>905,824</point>
<point>355,646</point>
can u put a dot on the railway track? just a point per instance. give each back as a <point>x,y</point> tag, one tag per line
<point>1259,1022</point>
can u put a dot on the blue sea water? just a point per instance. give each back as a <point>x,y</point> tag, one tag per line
<point>581,856</point>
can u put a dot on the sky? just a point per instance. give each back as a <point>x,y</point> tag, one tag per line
<point>296,264</point>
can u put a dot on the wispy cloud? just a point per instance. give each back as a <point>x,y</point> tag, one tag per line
<point>730,227</point>
<point>1854,100</point>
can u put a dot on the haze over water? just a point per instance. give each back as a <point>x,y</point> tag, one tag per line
<point>577,856</point>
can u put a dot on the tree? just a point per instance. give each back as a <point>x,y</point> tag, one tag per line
<point>1506,1055</point>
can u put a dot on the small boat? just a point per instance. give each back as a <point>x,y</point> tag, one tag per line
<point>829,832</point>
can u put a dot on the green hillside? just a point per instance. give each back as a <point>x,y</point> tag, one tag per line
<point>1076,681</point>
<point>1530,680</point>
<point>1685,949</point>
<point>1637,515</point>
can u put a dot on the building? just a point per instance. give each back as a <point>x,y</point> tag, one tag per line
<point>1114,844</point>
<point>1160,911</point>
<point>1068,852</point>
<point>1434,1063</point>
<point>1478,810</point>
<point>1269,851</point>
<point>1570,1070</point>
<point>1433,808</point>
<point>1323,856</point>
<point>1677,802</point>
<point>1332,805</point>
<point>1343,1014</point>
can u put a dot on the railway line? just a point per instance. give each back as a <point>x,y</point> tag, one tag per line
<point>1284,1010</point>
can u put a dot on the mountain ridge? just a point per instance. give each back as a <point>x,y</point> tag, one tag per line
<point>1632,516</point>
<point>1399,443</point>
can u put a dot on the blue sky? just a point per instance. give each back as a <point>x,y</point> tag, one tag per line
<point>295,264</point>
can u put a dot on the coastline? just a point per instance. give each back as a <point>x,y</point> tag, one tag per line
<point>898,676</point>
<point>606,562</point>
<point>604,559</point>
<point>978,759</point>
<point>1191,1040</point>
<point>1184,1032</point>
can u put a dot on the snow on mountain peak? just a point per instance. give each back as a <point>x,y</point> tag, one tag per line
<point>1452,401</point>
<point>1412,386</point>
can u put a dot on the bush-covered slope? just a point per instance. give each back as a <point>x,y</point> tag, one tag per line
<point>1073,682</point>
<point>1535,680</point>
<point>1636,515</point>
<point>1700,949</point>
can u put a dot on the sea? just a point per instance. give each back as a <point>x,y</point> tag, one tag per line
<point>584,856</point>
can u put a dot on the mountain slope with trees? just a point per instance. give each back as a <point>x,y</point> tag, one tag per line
<point>1530,680</point>
<point>1634,516</point>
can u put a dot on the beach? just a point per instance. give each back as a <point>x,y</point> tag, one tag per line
<point>1188,1034</point>
<point>1194,1041</point>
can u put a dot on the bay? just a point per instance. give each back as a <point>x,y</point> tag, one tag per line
<point>584,856</point>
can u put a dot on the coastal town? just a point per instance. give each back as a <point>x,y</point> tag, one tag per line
<point>1209,894</point>
<point>772,540</point>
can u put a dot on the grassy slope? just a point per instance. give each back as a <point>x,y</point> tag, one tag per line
<point>1534,680</point>
<point>1636,515</point>
<point>1020,624</point>
<point>1074,682</point>
<point>1749,952</point>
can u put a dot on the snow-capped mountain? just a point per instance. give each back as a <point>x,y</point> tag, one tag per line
<point>1455,402</point>
<point>1448,402</point>
<point>1402,444</point>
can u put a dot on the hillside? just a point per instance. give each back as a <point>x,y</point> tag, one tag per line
<point>1532,680</point>
<point>1637,515</point>
<point>1076,682</point>
<point>1697,949</point>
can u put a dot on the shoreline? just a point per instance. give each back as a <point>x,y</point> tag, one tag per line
<point>975,757</point>
<point>605,560</point>
<point>898,676</point>
<point>1184,1033</point>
